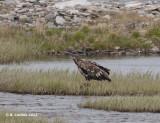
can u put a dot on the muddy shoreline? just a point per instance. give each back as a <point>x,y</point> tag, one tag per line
<point>108,53</point>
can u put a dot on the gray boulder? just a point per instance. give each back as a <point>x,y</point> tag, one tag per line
<point>50,17</point>
<point>24,19</point>
<point>60,20</point>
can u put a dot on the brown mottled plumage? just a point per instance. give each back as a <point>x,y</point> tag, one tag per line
<point>91,70</point>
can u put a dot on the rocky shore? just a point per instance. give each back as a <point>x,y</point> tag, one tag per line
<point>155,51</point>
<point>119,28</point>
<point>54,13</point>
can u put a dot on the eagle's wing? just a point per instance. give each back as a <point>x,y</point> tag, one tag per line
<point>101,67</point>
<point>93,71</point>
<point>98,73</point>
<point>82,67</point>
<point>88,69</point>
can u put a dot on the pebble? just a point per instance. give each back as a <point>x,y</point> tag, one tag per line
<point>28,11</point>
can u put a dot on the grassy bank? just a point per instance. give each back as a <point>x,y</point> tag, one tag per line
<point>68,83</point>
<point>23,119</point>
<point>126,104</point>
<point>18,44</point>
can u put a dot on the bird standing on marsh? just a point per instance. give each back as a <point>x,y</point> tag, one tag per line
<point>91,70</point>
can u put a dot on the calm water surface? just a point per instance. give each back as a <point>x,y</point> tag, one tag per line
<point>125,65</point>
<point>66,108</point>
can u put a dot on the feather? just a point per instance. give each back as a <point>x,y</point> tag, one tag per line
<point>91,70</point>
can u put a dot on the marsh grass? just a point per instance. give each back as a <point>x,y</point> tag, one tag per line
<point>72,83</point>
<point>16,52</point>
<point>18,44</point>
<point>24,119</point>
<point>126,104</point>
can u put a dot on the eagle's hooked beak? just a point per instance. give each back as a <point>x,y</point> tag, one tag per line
<point>71,54</point>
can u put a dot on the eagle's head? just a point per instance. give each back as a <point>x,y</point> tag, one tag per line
<point>74,56</point>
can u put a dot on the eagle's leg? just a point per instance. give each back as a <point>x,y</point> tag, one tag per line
<point>87,83</point>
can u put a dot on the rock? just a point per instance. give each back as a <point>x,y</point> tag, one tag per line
<point>83,9</point>
<point>117,47</point>
<point>133,5</point>
<point>39,9</point>
<point>19,5</point>
<point>62,13</point>
<point>92,9</point>
<point>73,12</point>
<point>155,13</point>
<point>150,15</point>
<point>24,5</point>
<point>107,17</point>
<point>21,11</point>
<point>13,18</point>
<point>50,25</point>
<point>94,15</point>
<point>9,2</point>
<point>42,14</point>
<point>151,8</point>
<point>43,3</point>
<point>24,19</point>
<point>85,14</point>
<point>32,1</point>
<point>3,16</point>
<point>155,49</point>
<point>50,17</point>
<point>76,19</point>
<point>60,20</point>
<point>31,10</point>
<point>68,18</point>
<point>27,12</point>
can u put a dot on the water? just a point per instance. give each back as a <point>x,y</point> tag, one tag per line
<point>66,108</point>
<point>123,65</point>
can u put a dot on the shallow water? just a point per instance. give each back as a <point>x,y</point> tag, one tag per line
<point>123,65</point>
<point>66,108</point>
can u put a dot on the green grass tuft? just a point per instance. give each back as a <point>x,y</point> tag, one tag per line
<point>154,32</point>
<point>68,83</point>
<point>126,104</point>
